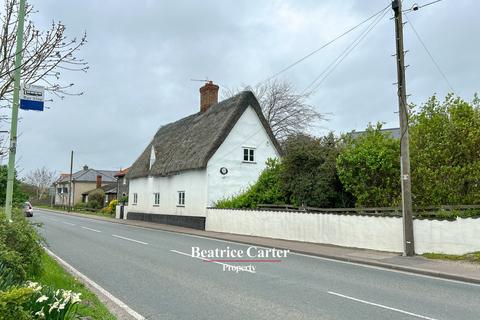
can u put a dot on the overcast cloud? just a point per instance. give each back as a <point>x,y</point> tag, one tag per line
<point>142,55</point>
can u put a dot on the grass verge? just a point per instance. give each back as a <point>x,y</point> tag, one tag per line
<point>93,213</point>
<point>469,257</point>
<point>55,276</point>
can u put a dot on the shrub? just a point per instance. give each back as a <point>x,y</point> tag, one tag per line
<point>96,199</point>
<point>369,168</point>
<point>20,248</point>
<point>309,172</point>
<point>80,206</point>
<point>445,156</point>
<point>18,195</point>
<point>110,209</point>
<point>123,200</point>
<point>268,189</point>
<point>12,303</point>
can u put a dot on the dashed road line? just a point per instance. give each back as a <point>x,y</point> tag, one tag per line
<point>87,228</point>
<point>380,306</point>
<point>129,239</point>
<point>70,224</point>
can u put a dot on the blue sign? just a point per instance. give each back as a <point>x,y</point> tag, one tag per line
<point>32,98</point>
<point>31,105</point>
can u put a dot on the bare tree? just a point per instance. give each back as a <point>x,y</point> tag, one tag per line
<point>41,179</point>
<point>286,110</point>
<point>46,54</point>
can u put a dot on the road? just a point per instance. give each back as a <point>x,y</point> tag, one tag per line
<point>153,272</point>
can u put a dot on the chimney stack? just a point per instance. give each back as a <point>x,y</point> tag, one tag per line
<point>99,181</point>
<point>208,95</point>
<point>85,167</point>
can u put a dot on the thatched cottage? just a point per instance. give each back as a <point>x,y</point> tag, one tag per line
<point>193,162</point>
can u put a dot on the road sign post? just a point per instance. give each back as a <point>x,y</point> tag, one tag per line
<point>13,130</point>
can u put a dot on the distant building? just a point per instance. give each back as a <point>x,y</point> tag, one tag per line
<point>194,162</point>
<point>82,181</point>
<point>109,189</point>
<point>122,183</point>
<point>394,132</point>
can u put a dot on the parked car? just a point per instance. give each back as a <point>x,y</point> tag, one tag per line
<point>28,209</point>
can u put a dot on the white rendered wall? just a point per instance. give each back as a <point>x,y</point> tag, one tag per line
<point>442,236</point>
<point>193,182</point>
<point>247,132</point>
<point>376,233</point>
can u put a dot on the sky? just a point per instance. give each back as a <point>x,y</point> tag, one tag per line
<point>143,54</point>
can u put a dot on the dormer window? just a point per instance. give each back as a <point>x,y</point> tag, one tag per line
<point>152,158</point>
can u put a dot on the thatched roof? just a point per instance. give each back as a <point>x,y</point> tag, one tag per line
<point>190,142</point>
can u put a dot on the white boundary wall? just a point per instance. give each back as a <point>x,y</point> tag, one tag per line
<point>376,233</point>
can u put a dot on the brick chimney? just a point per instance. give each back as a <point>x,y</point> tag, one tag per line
<point>208,95</point>
<point>99,181</point>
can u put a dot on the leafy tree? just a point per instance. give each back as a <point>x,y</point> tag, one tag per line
<point>18,195</point>
<point>309,172</point>
<point>369,168</point>
<point>445,152</point>
<point>267,190</point>
<point>96,199</point>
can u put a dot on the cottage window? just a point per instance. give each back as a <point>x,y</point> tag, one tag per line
<point>156,201</point>
<point>135,198</point>
<point>181,198</point>
<point>65,190</point>
<point>59,190</point>
<point>248,155</point>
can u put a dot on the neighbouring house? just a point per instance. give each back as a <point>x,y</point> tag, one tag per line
<point>394,132</point>
<point>82,181</point>
<point>194,162</point>
<point>122,183</point>
<point>109,189</point>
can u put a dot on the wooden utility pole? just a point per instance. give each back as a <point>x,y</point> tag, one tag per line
<point>16,99</point>
<point>70,186</point>
<point>408,241</point>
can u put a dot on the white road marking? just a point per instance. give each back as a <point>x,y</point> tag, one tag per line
<point>77,273</point>
<point>87,228</point>
<point>381,306</point>
<point>125,238</point>
<point>217,262</point>
<point>70,224</point>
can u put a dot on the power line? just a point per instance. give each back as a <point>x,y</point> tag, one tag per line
<point>325,45</point>
<point>429,53</point>
<point>415,6</point>
<point>334,64</point>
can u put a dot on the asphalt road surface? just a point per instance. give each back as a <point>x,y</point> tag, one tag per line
<point>153,272</point>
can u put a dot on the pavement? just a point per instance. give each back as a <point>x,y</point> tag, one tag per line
<point>151,269</point>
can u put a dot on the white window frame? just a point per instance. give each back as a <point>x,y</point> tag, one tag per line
<point>156,199</point>
<point>250,154</point>
<point>180,198</point>
<point>135,198</point>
